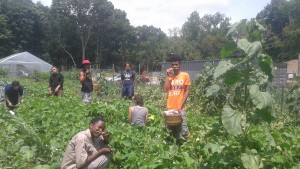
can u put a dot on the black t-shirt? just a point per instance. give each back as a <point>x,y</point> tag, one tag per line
<point>55,80</point>
<point>87,85</point>
<point>127,77</point>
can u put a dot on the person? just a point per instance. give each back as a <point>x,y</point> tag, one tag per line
<point>127,81</point>
<point>88,149</point>
<point>85,78</point>
<point>177,86</point>
<point>138,115</point>
<point>13,94</point>
<point>56,82</point>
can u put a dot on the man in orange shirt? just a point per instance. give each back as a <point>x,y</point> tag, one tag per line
<point>177,85</point>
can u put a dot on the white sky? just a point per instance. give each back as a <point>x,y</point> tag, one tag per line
<point>168,14</point>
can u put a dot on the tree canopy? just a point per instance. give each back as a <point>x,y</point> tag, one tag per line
<point>72,30</point>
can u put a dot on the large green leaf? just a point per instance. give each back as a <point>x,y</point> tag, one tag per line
<point>228,50</point>
<point>232,76</point>
<point>212,90</point>
<point>251,161</point>
<point>251,49</point>
<point>236,26</point>
<point>222,68</point>
<point>233,121</point>
<point>265,64</point>
<point>260,99</point>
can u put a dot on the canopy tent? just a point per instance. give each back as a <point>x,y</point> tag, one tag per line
<point>23,64</point>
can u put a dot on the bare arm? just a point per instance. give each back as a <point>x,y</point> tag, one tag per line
<point>130,115</point>
<point>81,77</point>
<point>167,84</point>
<point>185,96</point>
<point>20,99</point>
<point>146,119</point>
<point>7,100</point>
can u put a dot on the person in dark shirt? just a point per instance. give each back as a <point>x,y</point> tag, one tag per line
<point>56,82</point>
<point>127,81</point>
<point>85,78</point>
<point>13,94</point>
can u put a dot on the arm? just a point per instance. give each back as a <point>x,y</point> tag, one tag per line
<point>19,99</point>
<point>82,156</point>
<point>146,119</point>
<point>60,83</point>
<point>20,94</point>
<point>7,100</point>
<point>130,114</point>
<point>81,77</point>
<point>167,84</point>
<point>185,96</point>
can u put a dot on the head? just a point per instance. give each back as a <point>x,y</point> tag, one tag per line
<point>175,63</point>
<point>15,85</point>
<point>138,99</point>
<point>86,64</point>
<point>97,126</point>
<point>54,70</point>
<point>127,66</point>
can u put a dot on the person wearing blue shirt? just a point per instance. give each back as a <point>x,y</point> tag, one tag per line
<point>13,94</point>
<point>127,82</point>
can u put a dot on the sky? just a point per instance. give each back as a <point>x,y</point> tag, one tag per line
<point>169,14</point>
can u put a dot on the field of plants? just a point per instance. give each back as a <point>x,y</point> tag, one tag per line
<point>237,119</point>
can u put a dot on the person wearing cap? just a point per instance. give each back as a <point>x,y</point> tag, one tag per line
<point>13,94</point>
<point>85,78</point>
<point>56,82</point>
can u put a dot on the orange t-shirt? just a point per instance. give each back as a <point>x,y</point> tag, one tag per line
<point>177,90</point>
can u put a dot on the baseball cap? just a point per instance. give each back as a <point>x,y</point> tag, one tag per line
<point>86,62</point>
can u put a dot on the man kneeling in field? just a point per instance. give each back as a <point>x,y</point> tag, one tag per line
<point>88,149</point>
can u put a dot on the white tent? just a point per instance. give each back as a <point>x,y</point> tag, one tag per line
<point>23,64</point>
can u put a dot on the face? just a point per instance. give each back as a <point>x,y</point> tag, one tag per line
<point>86,66</point>
<point>127,66</point>
<point>16,87</point>
<point>97,128</point>
<point>54,70</point>
<point>175,65</point>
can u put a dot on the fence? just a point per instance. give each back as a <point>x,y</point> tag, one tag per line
<point>195,67</point>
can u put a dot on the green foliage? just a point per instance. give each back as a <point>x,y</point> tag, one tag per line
<point>33,139</point>
<point>40,76</point>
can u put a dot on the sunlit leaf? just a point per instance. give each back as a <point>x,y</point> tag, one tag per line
<point>233,121</point>
<point>251,161</point>
<point>222,68</point>
<point>260,99</point>
<point>251,49</point>
<point>212,90</point>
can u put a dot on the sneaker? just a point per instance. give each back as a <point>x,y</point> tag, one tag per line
<point>11,112</point>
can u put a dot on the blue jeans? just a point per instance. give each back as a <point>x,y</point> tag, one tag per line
<point>127,90</point>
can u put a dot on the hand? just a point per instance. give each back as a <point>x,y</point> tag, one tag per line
<point>170,72</point>
<point>105,135</point>
<point>9,104</point>
<point>50,92</point>
<point>56,90</point>
<point>105,151</point>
